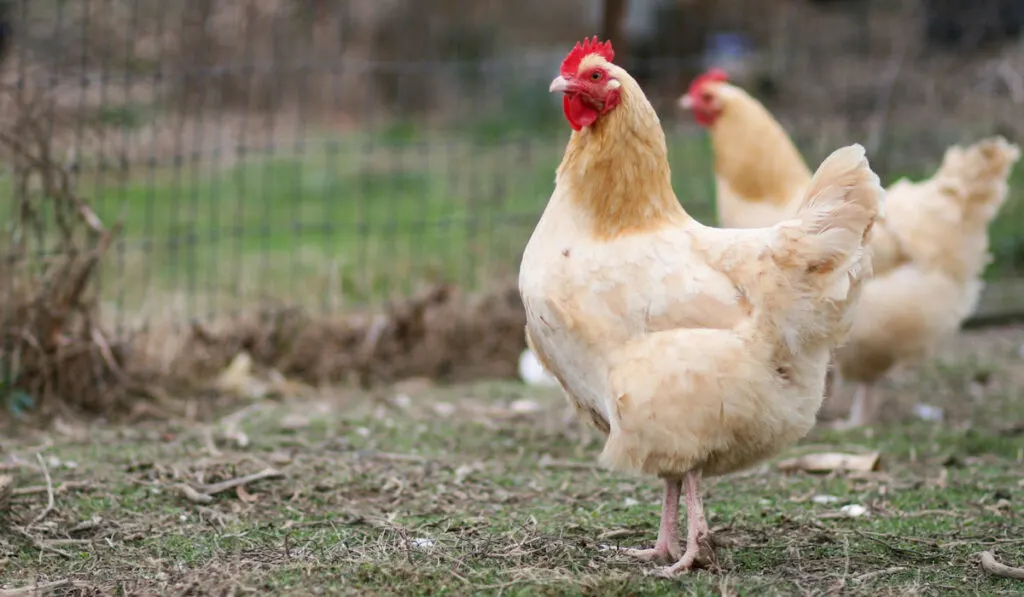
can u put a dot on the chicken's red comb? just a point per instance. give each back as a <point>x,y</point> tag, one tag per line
<point>714,75</point>
<point>571,64</point>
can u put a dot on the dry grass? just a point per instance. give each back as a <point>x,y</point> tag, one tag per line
<point>55,351</point>
<point>483,489</point>
<point>421,337</point>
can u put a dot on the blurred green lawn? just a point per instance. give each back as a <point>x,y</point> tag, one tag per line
<point>362,218</point>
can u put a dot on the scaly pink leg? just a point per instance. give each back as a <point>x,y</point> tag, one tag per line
<point>666,549</point>
<point>699,550</point>
<point>863,412</point>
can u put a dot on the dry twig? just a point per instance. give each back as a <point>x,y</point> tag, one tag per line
<point>6,491</point>
<point>49,490</point>
<point>65,486</point>
<point>392,457</point>
<point>203,494</point>
<point>40,544</point>
<point>568,465</point>
<point>53,247</point>
<point>194,496</point>
<point>215,488</point>
<point>995,568</point>
<point>862,578</point>
<point>34,590</point>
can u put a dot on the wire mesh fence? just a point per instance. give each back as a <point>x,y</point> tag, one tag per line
<point>333,152</point>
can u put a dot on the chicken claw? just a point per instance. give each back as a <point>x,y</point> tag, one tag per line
<point>661,554</point>
<point>863,411</point>
<point>700,554</point>
<point>666,549</point>
<point>700,550</point>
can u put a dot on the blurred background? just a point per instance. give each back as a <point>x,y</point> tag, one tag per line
<point>201,159</point>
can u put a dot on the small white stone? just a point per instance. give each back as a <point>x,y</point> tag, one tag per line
<point>444,409</point>
<point>854,510</point>
<point>422,543</point>
<point>927,412</point>
<point>524,407</point>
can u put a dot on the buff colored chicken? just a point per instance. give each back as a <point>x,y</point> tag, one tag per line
<point>929,250</point>
<point>697,351</point>
<point>941,226</point>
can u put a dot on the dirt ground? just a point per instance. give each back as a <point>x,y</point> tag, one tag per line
<point>487,489</point>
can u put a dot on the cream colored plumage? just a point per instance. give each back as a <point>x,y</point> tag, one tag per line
<point>696,350</point>
<point>928,251</point>
<point>941,225</point>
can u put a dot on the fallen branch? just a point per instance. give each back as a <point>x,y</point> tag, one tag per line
<point>873,575</point>
<point>41,545</point>
<point>992,566</point>
<point>215,488</point>
<point>65,486</point>
<point>54,246</point>
<point>49,490</point>
<point>392,457</point>
<point>194,496</point>
<point>203,493</point>
<point>6,487</point>
<point>616,533</point>
<point>568,465</point>
<point>35,589</point>
<point>829,462</point>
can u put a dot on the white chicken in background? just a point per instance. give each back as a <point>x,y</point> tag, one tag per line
<point>533,373</point>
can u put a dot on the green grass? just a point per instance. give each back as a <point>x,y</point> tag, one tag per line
<point>364,217</point>
<point>451,492</point>
<point>350,219</point>
<point>355,218</point>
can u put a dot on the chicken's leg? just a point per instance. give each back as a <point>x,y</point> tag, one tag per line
<point>699,550</point>
<point>666,549</point>
<point>863,411</point>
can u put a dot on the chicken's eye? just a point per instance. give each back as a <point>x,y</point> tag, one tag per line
<point>596,75</point>
<point>706,97</point>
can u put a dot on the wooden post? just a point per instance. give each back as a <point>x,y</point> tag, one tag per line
<point>612,18</point>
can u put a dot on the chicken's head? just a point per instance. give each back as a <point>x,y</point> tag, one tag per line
<point>588,83</point>
<point>703,97</point>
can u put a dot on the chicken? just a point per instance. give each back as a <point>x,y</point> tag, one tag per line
<point>696,351</point>
<point>532,372</point>
<point>760,176</point>
<point>928,251</point>
<point>942,226</point>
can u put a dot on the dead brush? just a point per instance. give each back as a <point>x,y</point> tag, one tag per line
<point>439,333</point>
<point>54,350</point>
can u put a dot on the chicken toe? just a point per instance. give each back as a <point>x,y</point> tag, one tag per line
<point>700,551</point>
<point>864,410</point>
<point>666,549</point>
<point>698,554</point>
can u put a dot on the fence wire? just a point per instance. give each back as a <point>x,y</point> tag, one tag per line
<point>334,153</point>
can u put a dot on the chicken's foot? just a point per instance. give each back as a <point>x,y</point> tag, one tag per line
<point>863,411</point>
<point>666,549</point>
<point>700,552</point>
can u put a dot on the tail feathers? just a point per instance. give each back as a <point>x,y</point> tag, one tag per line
<point>977,176</point>
<point>942,223</point>
<point>840,207</point>
<point>821,254</point>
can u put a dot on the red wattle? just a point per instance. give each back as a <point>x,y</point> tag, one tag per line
<point>578,113</point>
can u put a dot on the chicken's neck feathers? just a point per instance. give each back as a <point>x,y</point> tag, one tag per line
<point>755,155</point>
<point>617,173</point>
